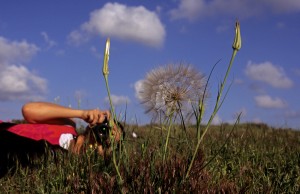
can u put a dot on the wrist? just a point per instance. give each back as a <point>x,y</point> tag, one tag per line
<point>82,114</point>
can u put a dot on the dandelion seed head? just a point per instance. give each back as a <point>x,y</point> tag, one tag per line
<point>171,88</point>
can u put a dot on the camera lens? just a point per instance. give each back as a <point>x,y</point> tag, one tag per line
<point>101,132</point>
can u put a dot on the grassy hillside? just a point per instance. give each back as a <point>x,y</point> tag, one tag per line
<point>247,158</point>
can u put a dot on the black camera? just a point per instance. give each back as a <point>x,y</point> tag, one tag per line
<point>101,132</point>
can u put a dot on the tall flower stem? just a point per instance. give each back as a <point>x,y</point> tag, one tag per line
<point>105,74</point>
<point>109,97</point>
<point>236,46</point>
<point>216,108</point>
<point>114,115</point>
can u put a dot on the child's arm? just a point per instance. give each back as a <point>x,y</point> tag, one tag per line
<point>49,113</point>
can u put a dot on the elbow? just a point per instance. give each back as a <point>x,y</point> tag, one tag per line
<point>28,112</point>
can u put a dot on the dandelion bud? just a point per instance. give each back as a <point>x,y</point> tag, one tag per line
<point>106,58</point>
<point>237,44</point>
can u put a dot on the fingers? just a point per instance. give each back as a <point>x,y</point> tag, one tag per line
<point>76,146</point>
<point>116,133</point>
<point>96,116</point>
<point>107,113</point>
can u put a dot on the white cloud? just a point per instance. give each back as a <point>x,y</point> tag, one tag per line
<point>95,52</point>
<point>138,87</point>
<point>118,100</point>
<point>16,81</point>
<point>286,6</point>
<point>123,22</point>
<point>189,9</point>
<point>265,101</point>
<point>50,43</point>
<point>194,9</point>
<point>268,73</point>
<point>16,52</point>
<point>78,37</point>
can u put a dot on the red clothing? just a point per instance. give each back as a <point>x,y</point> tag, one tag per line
<point>50,133</point>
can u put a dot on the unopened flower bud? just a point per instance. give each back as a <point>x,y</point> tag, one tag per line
<point>106,58</point>
<point>237,43</point>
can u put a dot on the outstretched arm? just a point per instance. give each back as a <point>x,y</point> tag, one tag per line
<point>49,113</point>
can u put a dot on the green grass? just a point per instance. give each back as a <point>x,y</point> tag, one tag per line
<point>251,158</point>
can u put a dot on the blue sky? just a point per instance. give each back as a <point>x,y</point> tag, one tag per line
<point>53,51</point>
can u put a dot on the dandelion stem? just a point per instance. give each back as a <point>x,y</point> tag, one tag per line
<point>182,119</point>
<point>216,108</point>
<point>168,135</point>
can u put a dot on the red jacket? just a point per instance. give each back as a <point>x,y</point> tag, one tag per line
<point>47,132</point>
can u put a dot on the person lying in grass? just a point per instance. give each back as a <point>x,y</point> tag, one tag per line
<point>98,121</point>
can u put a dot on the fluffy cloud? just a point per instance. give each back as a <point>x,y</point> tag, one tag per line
<point>189,9</point>
<point>13,51</point>
<point>124,22</point>
<point>268,73</point>
<point>16,81</point>
<point>194,9</point>
<point>138,87</point>
<point>265,101</point>
<point>118,100</point>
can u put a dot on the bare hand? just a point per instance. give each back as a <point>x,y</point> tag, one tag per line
<point>76,145</point>
<point>116,133</point>
<point>95,116</point>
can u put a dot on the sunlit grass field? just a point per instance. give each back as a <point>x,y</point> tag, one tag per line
<point>246,158</point>
<point>172,157</point>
